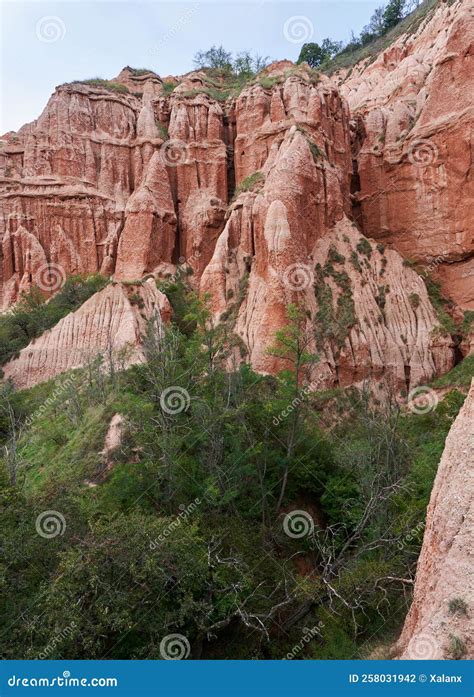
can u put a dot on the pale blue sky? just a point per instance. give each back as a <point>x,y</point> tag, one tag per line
<point>46,43</point>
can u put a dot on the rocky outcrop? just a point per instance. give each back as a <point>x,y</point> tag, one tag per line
<point>440,623</point>
<point>370,315</point>
<point>413,133</point>
<point>259,194</point>
<point>111,323</point>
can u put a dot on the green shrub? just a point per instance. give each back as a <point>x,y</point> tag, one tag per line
<point>458,606</point>
<point>268,82</point>
<point>168,87</point>
<point>457,648</point>
<point>414,299</point>
<point>106,84</point>
<point>440,304</point>
<point>364,247</point>
<point>249,183</point>
<point>460,376</point>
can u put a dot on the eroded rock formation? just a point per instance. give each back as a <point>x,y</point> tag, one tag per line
<point>440,623</point>
<point>413,134</point>
<point>303,188</point>
<point>111,323</point>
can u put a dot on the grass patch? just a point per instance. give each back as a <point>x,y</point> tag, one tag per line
<point>268,82</point>
<point>364,247</point>
<point>105,84</point>
<point>168,87</point>
<point>249,183</point>
<point>460,376</point>
<point>140,71</point>
<point>350,56</point>
<point>440,304</point>
<point>457,648</point>
<point>162,130</point>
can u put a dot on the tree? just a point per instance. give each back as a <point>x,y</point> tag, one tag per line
<point>216,57</point>
<point>376,24</point>
<point>292,344</point>
<point>246,65</point>
<point>315,54</point>
<point>393,13</point>
<point>330,47</point>
<point>375,28</point>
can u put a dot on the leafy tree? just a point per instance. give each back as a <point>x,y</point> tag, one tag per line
<point>393,13</point>
<point>216,57</point>
<point>246,65</point>
<point>315,54</point>
<point>376,25</point>
<point>292,344</point>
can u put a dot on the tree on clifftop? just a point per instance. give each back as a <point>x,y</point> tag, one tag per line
<point>393,13</point>
<point>215,57</point>
<point>314,54</point>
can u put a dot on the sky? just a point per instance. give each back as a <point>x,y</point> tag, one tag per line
<point>44,44</point>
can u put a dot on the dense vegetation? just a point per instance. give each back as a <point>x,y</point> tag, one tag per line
<point>187,527</point>
<point>223,63</point>
<point>380,32</point>
<point>33,315</point>
<point>385,18</point>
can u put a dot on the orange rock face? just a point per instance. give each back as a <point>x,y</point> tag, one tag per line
<point>414,118</point>
<point>444,590</point>
<point>303,189</point>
